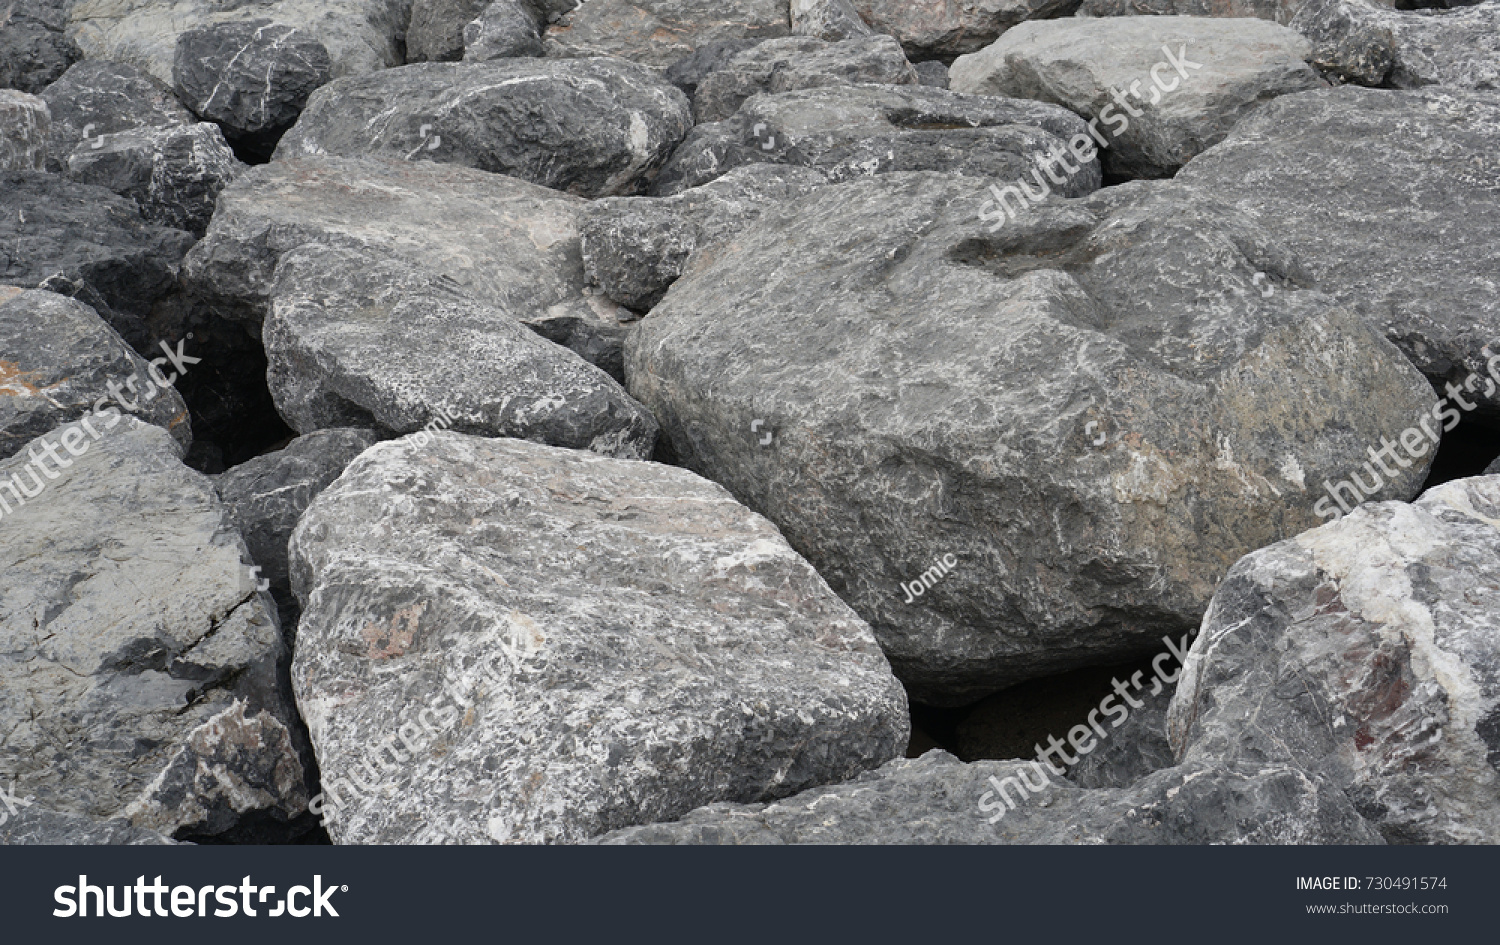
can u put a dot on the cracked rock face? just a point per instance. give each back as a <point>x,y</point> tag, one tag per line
<point>942,29</point>
<point>1094,411</point>
<point>1428,281</point>
<point>1365,651</point>
<point>1371,44</point>
<point>436,30</point>
<point>935,800</point>
<point>504,29</point>
<point>34,50</point>
<point>591,127</point>
<point>501,241</point>
<point>104,98</point>
<point>338,315</point>
<point>848,132</point>
<point>657,33</point>
<point>800,62</point>
<point>1081,63</point>
<point>507,642</point>
<point>57,360</point>
<point>25,131</point>
<point>139,675</point>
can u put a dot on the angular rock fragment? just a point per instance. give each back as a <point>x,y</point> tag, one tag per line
<point>1158,89</point>
<point>1371,44</point>
<point>942,29</point>
<point>34,49</point>
<point>592,127</point>
<point>505,29</point>
<point>436,30</point>
<point>799,62</point>
<point>1365,651</point>
<point>338,314</point>
<point>691,69</point>
<point>1094,411</point>
<point>252,78</point>
<point>848,132</point>
<point>97,98</point>
<point>830,20</point>
<point>59,362</point>
<point>1416,255</point>
<point>25,130</point>
<point>174,175</point>
<point>565,644</point>
<point>139,675</point>
<point>657,33</point>
<point>932,74</point>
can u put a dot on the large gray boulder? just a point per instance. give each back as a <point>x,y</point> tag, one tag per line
<point>360,35</point>
<point>592,127</point>
<point>174,174</point>
<point>634,248</point>
<point>88,243</point>
<point>657,33</point>
<point>565,644</point>
<point>504,29</point>
<point>848,132</point>
<point>139,675</point>
<point>1372,44</point>
<point>338,314</point>
<point>59,361</point>
<point>25,131</point>
<point>1416,254</point>
<point>505,242</point>
<point>1159,89</point>
<point>936,799</point>
<point>1365,651</point>
<point>942,29</point>
<point>1063,433</point>
<point>98,98</point>
<point>800,62</point>
<point>34,50</point>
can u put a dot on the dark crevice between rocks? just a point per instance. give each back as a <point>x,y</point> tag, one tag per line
<point>1465,450</point>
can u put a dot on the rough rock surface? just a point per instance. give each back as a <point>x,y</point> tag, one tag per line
<point>338,314</point>
<point>1365,651</point>
<point>932,74</point>
<point>1135,750</point>
<point>265,498</point>
<point>934,800</point>
<point>830,20</point>
<point>251,77</point>
<point>634,248</point>
<point>360,35</point>
<point>140,667</point>
<point>1095,411</point>
<point>504,242</point>
<point>800,62</point>
<point>88,243</point>
<point>657,33</point>
<point>57,362</point>
<point>34,50</point>
<point>25,131</point>
<point>691,69</point>
<point>97,98</point>
<point>566,644</point>
<point>435,32</point>
<point>37,826</point>
<point>592,127</point>
<point>848,132</point>
<point>504,30</point>
<point>942,29</point>
<point>1416,255</point>
<point>1278,11</point>
<point>1371,44</point>
<point>174,175</point>
<point>1092,66</point>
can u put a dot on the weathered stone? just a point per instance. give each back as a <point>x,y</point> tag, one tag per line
<point>1120,72</point>
<point>592,127</point>
<point>37,826</point>
<point>658,33</point>
<point>1371,44</point>
<point>97,98</point>
<point>566,644</point>
<point>1416,254</point>
<point>338,314</point>
<point>360,35</point>
<point>90,244</point>
<point>933,74</point>
<point>58,361</point>
<point>140,667</point>
<point>942,29</point>
<point>34,50</point>
<point>251,77</point>
<point>848,132</point>
<point>800,62</point>
<point>634,248</point>
<point>1365,651</point>
<point>1135,750</point>
<point>502,241</point>
<point>174,175</point>
<point>1277,11</point>
<point>830,20</point>
<point>691,69</point>
<point>504,30</point>
<point>25,131</point>
<point>265,498</point>
<point>1072,427</point>
<point>436,29</point>
<point>934,800</point>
